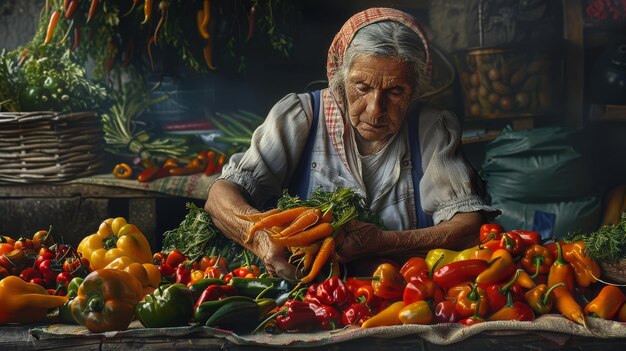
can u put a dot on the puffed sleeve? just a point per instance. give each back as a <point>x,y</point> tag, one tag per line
<point>266,167</point>
<point>449,184</point>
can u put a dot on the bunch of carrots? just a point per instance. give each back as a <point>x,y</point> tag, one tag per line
<point>308,228</point>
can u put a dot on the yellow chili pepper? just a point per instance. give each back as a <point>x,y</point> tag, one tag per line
<point>586,270</point>
<point>561,271</point>
<point>567,305</point>
<point>24,302</point>
<point>449,256</point>
<point>386,317</point>
<point>502,266</point>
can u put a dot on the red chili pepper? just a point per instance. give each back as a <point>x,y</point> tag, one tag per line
<point>226,278</point>
<point>458,272</point>
<point>52,25</point>
<point>356,314</point>
<point>92,10</point>
<point>475,318</point>
<point>209,170</point>
<point>220,163</point>
<point>77,37</point>
<point>70,9</point>
<point>215,292</point>
<point>251,22</point>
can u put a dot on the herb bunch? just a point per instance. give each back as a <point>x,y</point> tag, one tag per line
<point>197,236</point>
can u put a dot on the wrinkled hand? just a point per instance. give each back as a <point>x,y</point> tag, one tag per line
<point>357,239</point>
<point>275,260</point>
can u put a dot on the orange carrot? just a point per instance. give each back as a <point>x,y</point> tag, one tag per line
<point>277,219</point>
<point>328,217</point>
<point>326,250</point>
<point>304,238</point>
<point>303,222</point>
<point>257,216</point>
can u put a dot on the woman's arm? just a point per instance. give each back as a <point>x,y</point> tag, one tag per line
<point>359,239</point>
<point>226,200</point>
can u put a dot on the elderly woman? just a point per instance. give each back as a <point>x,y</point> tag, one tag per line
<point>366,131</point>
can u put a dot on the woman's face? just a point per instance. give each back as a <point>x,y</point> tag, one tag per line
<point>379,91</point>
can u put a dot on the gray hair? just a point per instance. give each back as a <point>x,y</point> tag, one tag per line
<point>384,39</point>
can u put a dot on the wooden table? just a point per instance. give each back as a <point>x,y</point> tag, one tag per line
<point>17,337</point>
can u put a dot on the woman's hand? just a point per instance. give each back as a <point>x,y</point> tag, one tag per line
<point>275,259</point>
<point>357,239</point>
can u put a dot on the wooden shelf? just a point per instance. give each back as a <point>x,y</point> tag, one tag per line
<point>484,137</point>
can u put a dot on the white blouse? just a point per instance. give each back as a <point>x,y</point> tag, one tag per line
<point>446,188</point>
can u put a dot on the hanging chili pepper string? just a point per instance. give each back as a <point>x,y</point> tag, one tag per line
<point>251,22</point>
<point>52,25</point>
<point>163,6</point>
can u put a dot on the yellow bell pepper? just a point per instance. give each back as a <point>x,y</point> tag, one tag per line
<point>24,302</point>
<point>146,273</point>
<point>115,238</point>
<point>449,256</point>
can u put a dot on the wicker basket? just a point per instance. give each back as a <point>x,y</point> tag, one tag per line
<point>614,272</point>
<point>38,147</point>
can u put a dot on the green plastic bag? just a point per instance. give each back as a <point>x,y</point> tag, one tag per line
<point>538,165</point>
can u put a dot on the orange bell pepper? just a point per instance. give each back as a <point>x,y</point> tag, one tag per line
<point>146,273</point>
<point>537,260</point>
<point>513,311</point>
<point>539,299</point>
<point>472,300</point>
<point>390,283</point>
<point>607,304</point>
<point>115,238</point>
<point>24,302</point>
<point>106,300</point>
<point>586,269</point>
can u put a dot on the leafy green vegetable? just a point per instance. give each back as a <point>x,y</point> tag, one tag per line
<point>607,244</point>
<point>344,202</point>
<point>197,236</point>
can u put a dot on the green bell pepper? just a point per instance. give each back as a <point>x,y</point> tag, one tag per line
<point>253,287</point>
<point>65,313</point>
<point>170,305</point>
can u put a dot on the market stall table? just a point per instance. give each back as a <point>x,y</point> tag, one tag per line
<point>551,332</point>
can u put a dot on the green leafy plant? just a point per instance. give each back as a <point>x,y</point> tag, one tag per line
<point>607,244</point>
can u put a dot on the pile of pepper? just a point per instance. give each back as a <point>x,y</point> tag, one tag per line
<point>207,161</point>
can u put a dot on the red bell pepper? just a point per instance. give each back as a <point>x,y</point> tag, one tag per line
<point>490,231</point>
<point>307,316</point>
<point>356,314</point>
<point>457,272</point>
<point>183,275</point>
<point>512,242</point>
<point>445,312</point>
<point>497,293</point>
<point>422,287</point>
<point>332,292</point>
<point>513,311</point>
<point>412,267</point>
